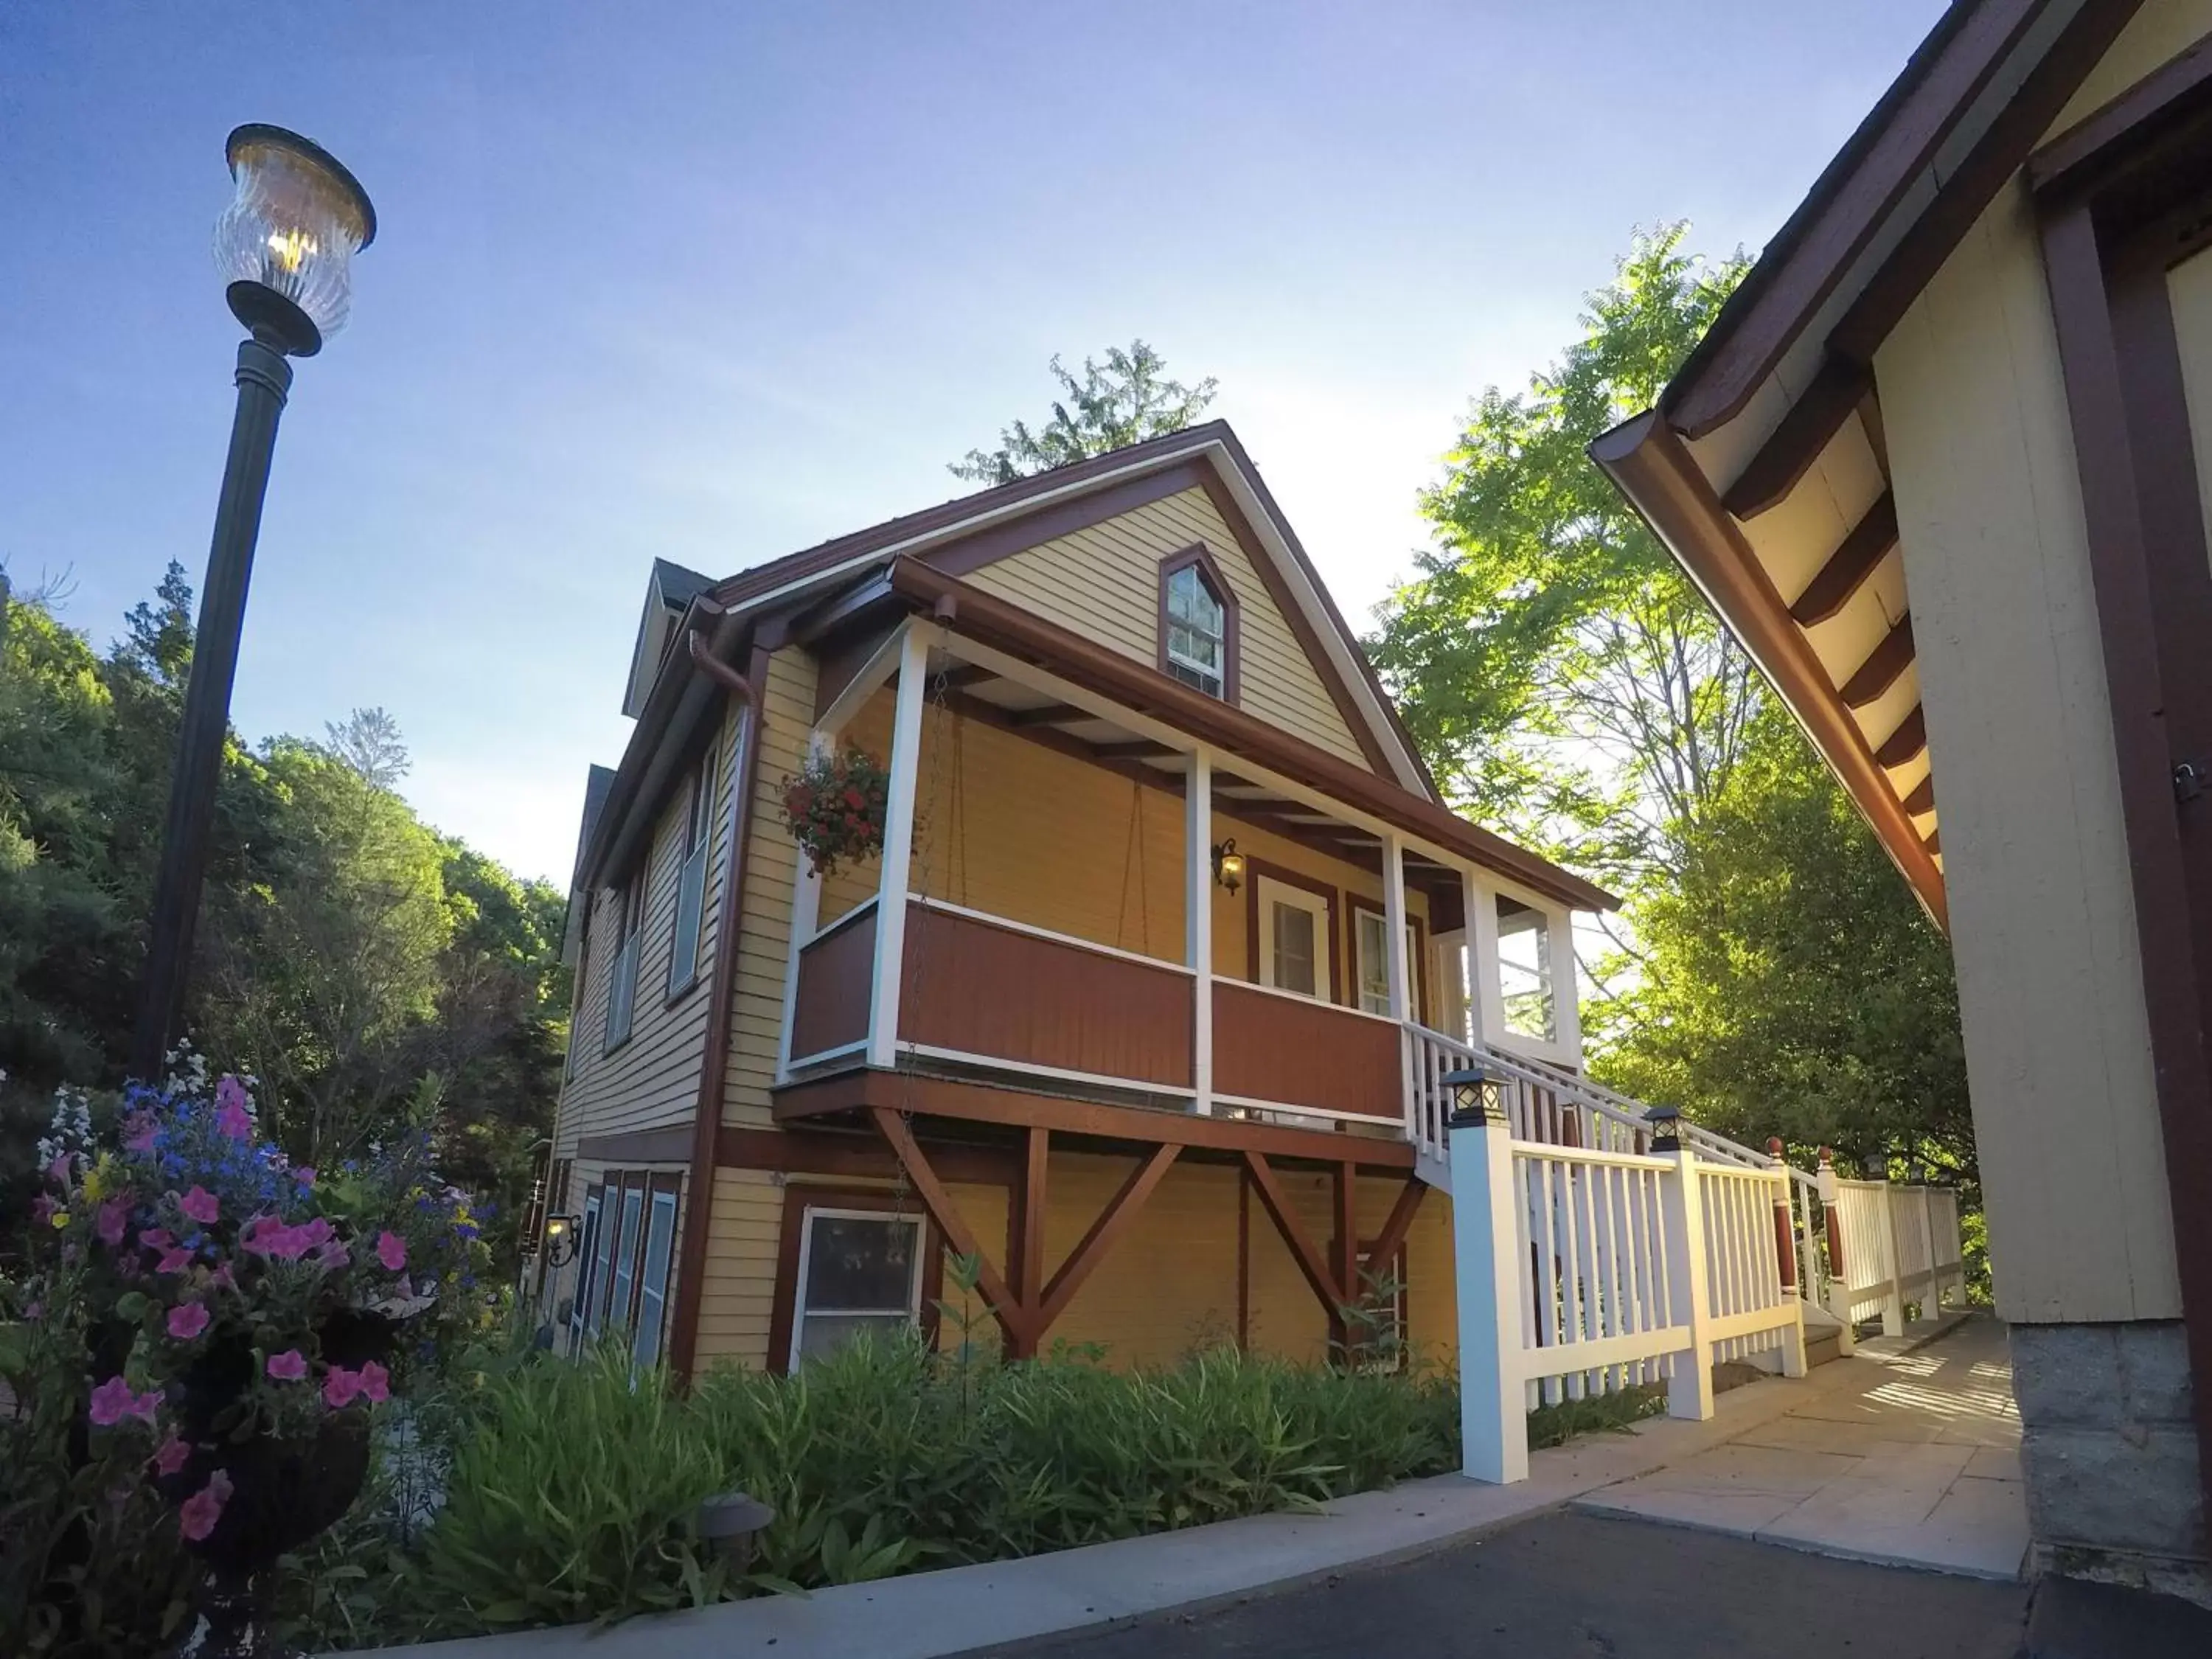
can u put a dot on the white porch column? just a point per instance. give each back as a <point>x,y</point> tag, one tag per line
<point>1486,991</point>
<point>898,848</point>
<point>1566,982</point>
<point>1494,1406</point>
<point>1393,923</point>
<point>1198,924</point>
<point>806,916</point>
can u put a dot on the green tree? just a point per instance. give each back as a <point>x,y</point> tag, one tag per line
<point>1120,402</point>
<point>1793,985</point>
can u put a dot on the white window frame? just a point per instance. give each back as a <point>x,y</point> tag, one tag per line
<point>622,972</point>
<point>1547,972</point>
<point>625,1266</point>
<point>1270,892</point>
<point>1374,998</point>
<point>689,927</point>
<point>801,1312</point>
<point>1211,679</point>
<point>652,1278</point>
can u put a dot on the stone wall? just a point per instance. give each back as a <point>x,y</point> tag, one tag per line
<point>2109,1449</point>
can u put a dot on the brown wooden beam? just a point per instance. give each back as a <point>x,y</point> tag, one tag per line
<point>1923,798</point>
<point>1883,664</point>
<point>1854,561</point>
<point>1303,1248</point>
<point>1046,714</point>
<point>1790,450</point>
<point>1344,1190</point>
<point>1400,1223</point>
<point>1116,1219</point>
<point>1005,1307</point>
<point>1134,749</point>
<point>1934,843</point>
<point>967,676</point>
<point>1908,740</point>
<point>835,1152</point>
<point>1030,1203</point>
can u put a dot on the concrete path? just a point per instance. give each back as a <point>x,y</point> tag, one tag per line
<point>1913,1461</point>
<point>1574,1586</point>
<point>960,1610</point>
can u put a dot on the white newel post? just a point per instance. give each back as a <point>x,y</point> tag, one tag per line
<point>898,848</point>
<point>1689,1298</point>
<point>1493,1408</point>
<point>1198,929</point>
<point>1927,1243</point>
<point>1893,1298</point>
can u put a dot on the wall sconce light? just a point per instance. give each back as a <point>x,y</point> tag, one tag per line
<point>559,1241</point>
<point>1228,864</point>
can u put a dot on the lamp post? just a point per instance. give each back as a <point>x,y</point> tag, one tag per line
<point>286,241</point>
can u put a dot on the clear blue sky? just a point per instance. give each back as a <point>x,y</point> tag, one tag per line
<point>713,281</point>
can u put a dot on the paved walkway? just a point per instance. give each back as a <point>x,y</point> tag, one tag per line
<point>1914,1462</point>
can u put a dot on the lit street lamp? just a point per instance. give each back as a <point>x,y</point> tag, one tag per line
<point>286,243</point>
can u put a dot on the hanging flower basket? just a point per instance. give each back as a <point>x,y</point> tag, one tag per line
<point>836,809</point>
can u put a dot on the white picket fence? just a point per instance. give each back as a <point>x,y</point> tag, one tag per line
<point>1583,1271</point>
<point>1899,1244</point>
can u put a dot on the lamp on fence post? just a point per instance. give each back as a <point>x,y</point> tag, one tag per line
<point>1666,1123</point>
<point>1477,1098</point>
<point>286,244</point>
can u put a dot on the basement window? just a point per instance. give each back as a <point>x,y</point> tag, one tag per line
<point>859,1270</point>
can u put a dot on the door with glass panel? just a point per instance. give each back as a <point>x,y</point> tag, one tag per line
<point>1294,937</point>
<point>1369,932</point>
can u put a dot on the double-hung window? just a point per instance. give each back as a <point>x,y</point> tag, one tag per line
<point>1371,950</point>
<point>1197,625</point>
<point>621,968</point>
<point>653,1277</point>
<point>859,1270</point>
<point>1296,939</point>
<point>1525,972</point>
<point>625,1263</point>
<point>591,1275</point>
<point>691,880</point>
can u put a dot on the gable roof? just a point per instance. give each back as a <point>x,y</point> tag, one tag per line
<point>669,592</point>
<point>1777,403</point>
<point>1007,518</point>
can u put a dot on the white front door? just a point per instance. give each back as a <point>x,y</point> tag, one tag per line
<point>1294,937</point>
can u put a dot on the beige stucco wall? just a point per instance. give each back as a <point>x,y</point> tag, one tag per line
<point>2013,678</point>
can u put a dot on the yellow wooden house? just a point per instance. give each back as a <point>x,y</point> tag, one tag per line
<point>1144,1005</point>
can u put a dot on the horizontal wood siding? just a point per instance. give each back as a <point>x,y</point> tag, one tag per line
<point>1169,1286</point>
<point>1103,582</point>
<point>1267,1046</point>
<point>1011,995</point>
<point>653,1079</point>
<point>772,865</point>
<point>836,975</point>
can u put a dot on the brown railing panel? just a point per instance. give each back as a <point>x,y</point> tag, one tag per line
<point>1301,1053</point>
<point>1002,994</point>
<point>836,975</point>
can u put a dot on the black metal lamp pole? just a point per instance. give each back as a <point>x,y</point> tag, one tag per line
<point>286,241</point>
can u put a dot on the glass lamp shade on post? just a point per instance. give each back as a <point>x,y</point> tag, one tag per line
<point>286,241</point>
<point>1666,1123</point>
<point>1477,1098</point>
<point>285,245</point>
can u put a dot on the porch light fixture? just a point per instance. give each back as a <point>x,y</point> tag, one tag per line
<point>1228,864</point>
<point>559,1241</point>
<point>1666,1123</point>
<point>286,241</point>
<point>1477,1098</point>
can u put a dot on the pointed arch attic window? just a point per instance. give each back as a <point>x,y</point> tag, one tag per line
<point>1198,625</point>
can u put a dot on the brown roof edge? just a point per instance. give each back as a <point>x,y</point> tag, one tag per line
<point>1652,467</point>
<point>1799,267</point>
<point>990,620</point>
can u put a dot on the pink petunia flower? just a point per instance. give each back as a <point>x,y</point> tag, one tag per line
<point>375,1382</point>
<point>155,1239</point>
<point>174,1261</point>
<point>289,1366</point>
<point>114,1399</point>
<point>223,1277</point>
<point>142,1130</point>
<point>196,1517</point>
<point>305,1174</point>
<point>391,1251</point>
<point>199,1204</point>
<point>187,1320</point>
<point>331,1255</point>
<point>171,1454</point>
<point>340,1386</point>
<point>233,1113</point>
<point>110,1221</point>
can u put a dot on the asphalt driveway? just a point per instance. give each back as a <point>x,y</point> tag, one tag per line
<point>1572,1586</point>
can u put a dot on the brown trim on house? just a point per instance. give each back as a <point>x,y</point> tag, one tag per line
<point>839,659</point>
<point>1910,738</point>
<point>1243,1257</point>
<point>1255,868</point>
<point>1301,630</point>
<point>1890,656</point>
<point>1836,393</point>
<point>800,1151</point>
<point>1392,1239</point>
<point>1894,153</point>
<point>634,1146</point>
<point>1652,466</point>
<point>1116,1219</point>
<point>863,1090</point>
<point>1856,558</point>
<point>970,554</point>
<point>2134,452</point>
<point>1359,901</point>
<point>2088,151</point>
<point>1005,1307</point>
<point>1923,798</point>
<point>994,621</point>
<point>1304,1249</point>
<point>1232,615</point>
<point>783,1309</point>
<point>1025,1217</point>
<point>697,1216</point>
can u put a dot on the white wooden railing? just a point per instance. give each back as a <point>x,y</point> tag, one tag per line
<point>1899,1245</point>
<point>1582,1271</point>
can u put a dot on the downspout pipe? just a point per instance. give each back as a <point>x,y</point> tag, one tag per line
<point>721,995</point>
